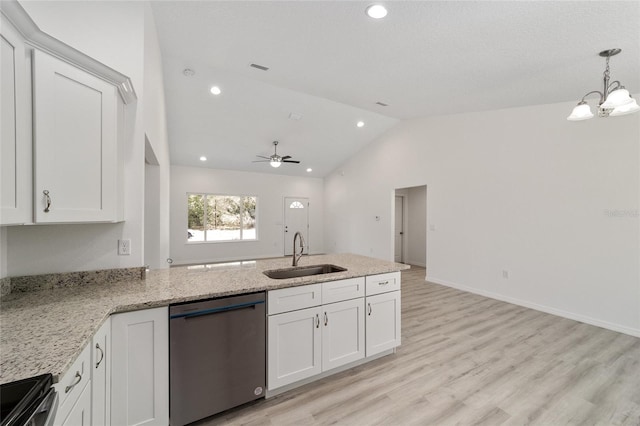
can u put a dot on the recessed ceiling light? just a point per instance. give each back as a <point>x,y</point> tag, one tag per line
<point>215,90</point>
<point>376,11</point>
<point>309,170</point>
<point>360,124</point>
<point>260,67</point>
<point>203,158</point>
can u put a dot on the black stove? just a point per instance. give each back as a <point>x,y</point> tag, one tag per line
<point>31,402</point>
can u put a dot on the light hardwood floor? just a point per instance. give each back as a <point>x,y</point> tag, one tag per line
<point>469,360</point>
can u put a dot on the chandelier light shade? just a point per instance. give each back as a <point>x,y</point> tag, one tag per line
<point>629,108</point>
<point>614,98</point>
<point>582,111</point>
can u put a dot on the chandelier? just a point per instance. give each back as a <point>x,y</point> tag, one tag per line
<point>614,98</point>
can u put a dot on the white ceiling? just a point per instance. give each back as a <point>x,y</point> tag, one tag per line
<point>331,63</point>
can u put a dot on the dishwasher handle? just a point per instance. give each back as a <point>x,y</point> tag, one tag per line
<point>227,308</point>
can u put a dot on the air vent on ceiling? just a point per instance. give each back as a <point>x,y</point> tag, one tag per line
<point>381,104</point>
<point>260,67</point>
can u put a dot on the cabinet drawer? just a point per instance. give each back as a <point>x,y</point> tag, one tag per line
<point>337,291</point>
<point>383,283</point>
<point>73,382</point>
<point>294,298</point>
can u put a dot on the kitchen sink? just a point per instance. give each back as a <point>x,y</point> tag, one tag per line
<point>302,271</point>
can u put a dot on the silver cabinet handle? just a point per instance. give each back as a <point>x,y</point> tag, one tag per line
<point>383,282</point>
<point>101,354</point>
<point>317,321</point>
<point>326,319</point>
<point>71,386</point>
<point>369,304</point>
<point>46,194</point>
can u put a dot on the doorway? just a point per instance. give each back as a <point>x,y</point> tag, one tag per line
<point>410,225</point>
<point>398,232</point>
<point>296,219</point>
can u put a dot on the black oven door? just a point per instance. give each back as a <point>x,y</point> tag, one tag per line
<point>28,402</point>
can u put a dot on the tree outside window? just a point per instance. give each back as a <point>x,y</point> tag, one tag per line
<point>221,217</point>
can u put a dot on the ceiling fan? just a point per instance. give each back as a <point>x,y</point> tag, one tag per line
<point>275,160</point>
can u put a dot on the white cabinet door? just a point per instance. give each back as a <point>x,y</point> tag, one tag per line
<point>383,322</point>
<point>75,118</point>
<point>72,385</point>
<point>140,368</point>
<point>101,376</point>
<point>15,128</point>
<point>294,351</point>
<point>80,414</point>
<point>342,333</point>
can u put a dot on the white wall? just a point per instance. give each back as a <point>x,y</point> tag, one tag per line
<point>553,202</point>
<point>417,226</point>
<point>270,190</point>
<point>113,33</point>
<point>3,252</point>
<point>155,126</point>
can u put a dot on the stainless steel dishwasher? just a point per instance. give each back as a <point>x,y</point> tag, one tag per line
<point>216,356</point>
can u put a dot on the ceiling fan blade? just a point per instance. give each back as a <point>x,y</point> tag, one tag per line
<point>261,161</point>
<point>290,161</point>
<point>286,157</point>
<point>262,156</point>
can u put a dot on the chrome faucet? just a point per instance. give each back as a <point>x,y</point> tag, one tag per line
<point>297,256</point>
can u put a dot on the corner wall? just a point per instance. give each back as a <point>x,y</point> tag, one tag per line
<point>270,190</point>
<point>155,127</point>
<point>552,202</point>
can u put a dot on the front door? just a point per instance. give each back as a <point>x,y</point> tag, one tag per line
<point>399,232</point>
<point>296,218</point>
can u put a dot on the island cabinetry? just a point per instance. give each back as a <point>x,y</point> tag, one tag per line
<point>308,340</point>
<point>383,312</point>
<point>140,368</point>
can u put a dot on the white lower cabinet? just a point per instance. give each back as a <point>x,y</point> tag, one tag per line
<point>294,352</point>
<point>74,392</point>
<point>312,340</point>
<point>140,368</point>
<point>101,376</point>
<point>342,333</point>
<point>383,322</point>
<point>80,414</point>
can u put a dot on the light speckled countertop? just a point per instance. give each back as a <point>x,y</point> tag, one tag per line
<point>44,331</point>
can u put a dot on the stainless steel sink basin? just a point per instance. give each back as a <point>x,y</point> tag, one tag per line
<point>302,271</point>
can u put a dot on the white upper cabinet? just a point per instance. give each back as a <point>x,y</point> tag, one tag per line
<point>15,131</point>
<point>62,124</point>
<point>75,144</point>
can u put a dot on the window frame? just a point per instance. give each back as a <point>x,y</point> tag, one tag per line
<point>211,194</point>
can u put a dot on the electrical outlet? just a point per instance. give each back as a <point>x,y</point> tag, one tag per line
<point>124,247</point>
<point>505,274</point>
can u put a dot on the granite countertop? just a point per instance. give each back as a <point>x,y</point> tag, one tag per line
<point>44,331</point>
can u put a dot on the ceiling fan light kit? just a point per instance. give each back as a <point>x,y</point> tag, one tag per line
<point>614,101</point>
<point>275,160</point>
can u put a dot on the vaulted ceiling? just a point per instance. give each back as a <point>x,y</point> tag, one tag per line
<point>331,64</point>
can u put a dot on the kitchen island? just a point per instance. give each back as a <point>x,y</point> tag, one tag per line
<point>45,331</point>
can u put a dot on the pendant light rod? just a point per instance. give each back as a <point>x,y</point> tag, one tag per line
<point>614,98</point>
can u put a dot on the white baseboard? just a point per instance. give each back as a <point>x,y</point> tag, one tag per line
<point>422,265</point>
<point>549,310</point>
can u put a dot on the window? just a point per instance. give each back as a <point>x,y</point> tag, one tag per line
<point>221,217</point>
<point>296,205</point>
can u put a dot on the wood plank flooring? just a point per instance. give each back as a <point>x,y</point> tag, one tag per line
<point>469,360</point>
